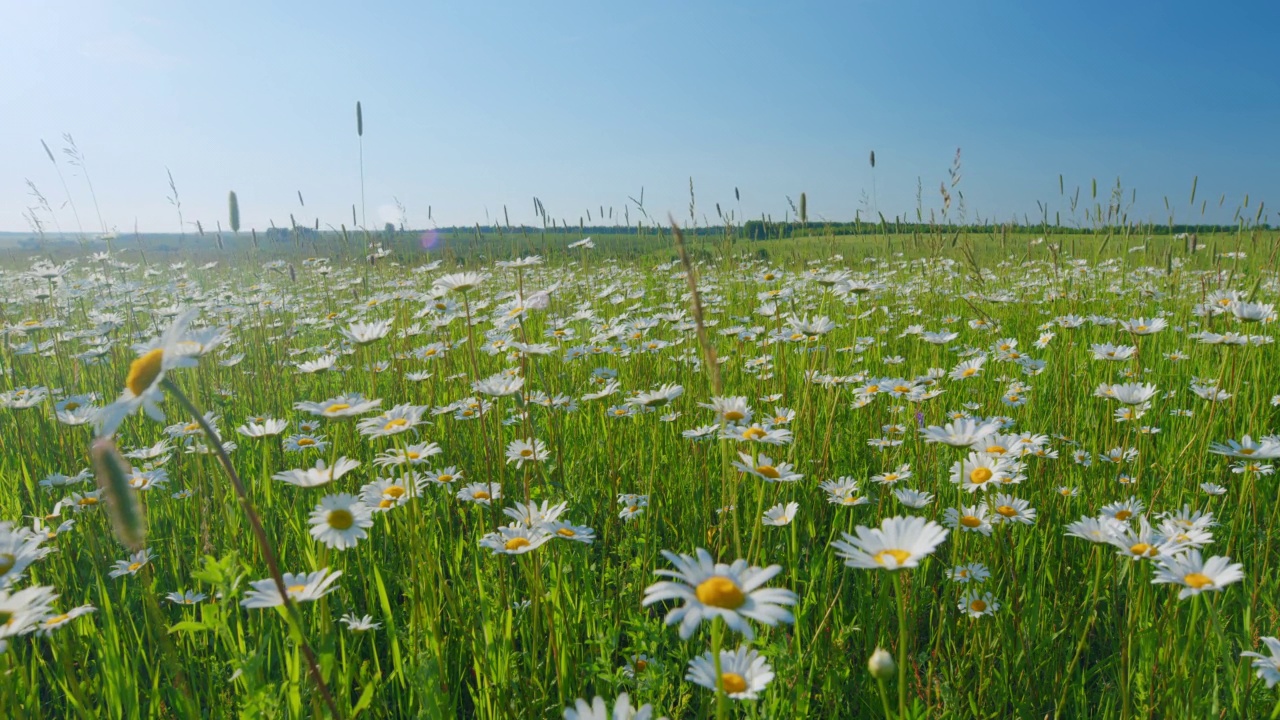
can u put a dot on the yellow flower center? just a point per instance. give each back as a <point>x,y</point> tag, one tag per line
<point>7,561</point>
<point>1006,511</point>
<point>481,495</point>
<point>341,519</point>
<point>901,389</point>
<point>304,442</point>
<point>640,665</point>
<point>395,423</point>
<point>721,592</point>
<point>969,372</point>
<point>412,455</point>
<point>566,532</point>
<point>337,407</point>
<point>133,567</point>
<point>444,478</point>
<point>970,521</point>
<point>996,450</point>
<point>899,557</point>
<point>144,371</point>
<point>386,503</point>
<point>393,491</point>
<point>1124,515</point>
<point>87,501</point>
<point>71,405</point>
<point>1142,550</point>
<point>733,682</point>
<point>980,475</point>
<point>978,606</point>
<point>733,415</point>
<point>769,471</point>
<point>516,543</point>
<point>873,389</point>
<point>526,453</point>
<point>1197,580</point>
<point>295,589</point>
<point>56,620</point>
<point>1245,451</point>
<point>754,433</point>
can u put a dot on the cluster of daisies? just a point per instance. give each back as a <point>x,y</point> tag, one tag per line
<point>988,459</point>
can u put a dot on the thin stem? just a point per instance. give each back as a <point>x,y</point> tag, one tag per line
<point>902,644</point>
<point>264,544</point>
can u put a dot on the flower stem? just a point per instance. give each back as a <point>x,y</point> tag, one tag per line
<point>264,544</point>
<point>902,644</point>
<point>722,700</point>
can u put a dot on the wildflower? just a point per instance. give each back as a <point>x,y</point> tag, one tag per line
<point>975,604</point>
<point>515,540</point>
<point>268,427</point>
<point>969,518</point>
<point>881,665</point>
<point>186,597</point>
<point>362,333</point>
<point>973,572</point>
<point>729,409</point>
<point>1197,575</point>
<point>1247,448</point>
<point>303,441</point>
<point>482,493</point>
<point>709,589</point>
<point>300,587</point>
<point>133,564</point>
<point>913,498</point>
<point>781,515</point>
<point>529,450</point>
<point>146,373</point>
<point>899,542</point>
<point>744,673</point>
<point>766,468</point>
<point>963,432</point>
<point>341,406</point>
<point>53,622</point>
<point>339,521</point>
<point>843,491</point>
<point>1268,667</point>
<point>359,624</point>
<point>318,475</point>
<point>979,471</point>
<point>401,418</point>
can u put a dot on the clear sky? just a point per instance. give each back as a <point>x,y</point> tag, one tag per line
<point>470,106</point>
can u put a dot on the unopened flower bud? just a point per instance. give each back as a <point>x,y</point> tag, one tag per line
<point>881,664</point>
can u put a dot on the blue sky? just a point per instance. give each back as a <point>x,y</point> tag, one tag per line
<point>470,106</point>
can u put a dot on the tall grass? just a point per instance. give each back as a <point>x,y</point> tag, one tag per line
<point>1080,632</point>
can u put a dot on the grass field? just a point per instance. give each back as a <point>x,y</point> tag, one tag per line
<point>472,464</point>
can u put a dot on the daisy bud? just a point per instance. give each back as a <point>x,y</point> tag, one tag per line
<point>122,503</point>
<point>881,665</point>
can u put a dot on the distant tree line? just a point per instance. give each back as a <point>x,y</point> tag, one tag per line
<point>765,229</point>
